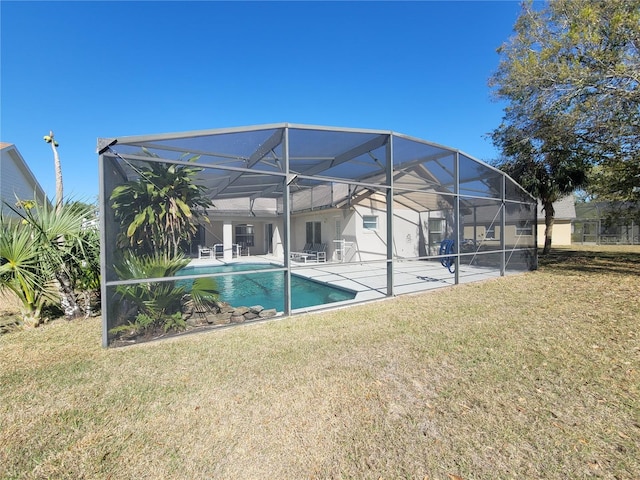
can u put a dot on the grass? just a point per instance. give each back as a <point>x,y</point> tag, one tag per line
<point>9,312</point>
<point>530,376</point>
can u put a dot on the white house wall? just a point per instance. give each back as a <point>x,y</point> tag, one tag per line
<point>14,182</point>
<point>364,244</point>
<point>214,233</point>
<point>406,233</point>
<point>372,244</point>
<point>327,218</point>
<point>277,239</point>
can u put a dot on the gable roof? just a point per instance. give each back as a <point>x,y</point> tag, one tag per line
<point>565,209</point>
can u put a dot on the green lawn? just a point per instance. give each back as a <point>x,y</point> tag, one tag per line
<point>529,376</point>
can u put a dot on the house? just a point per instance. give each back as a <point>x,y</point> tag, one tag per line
<point>565,214</point>
<point>607,223</point>
<point>16,180</point>
<point>278,188</point>
<point>350,222</point>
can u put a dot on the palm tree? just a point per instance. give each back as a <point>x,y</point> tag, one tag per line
<point>159,303</point>
<point>161,208</point>
<point>56,160</point>
<point>42,257</point>
<point>22,273</point>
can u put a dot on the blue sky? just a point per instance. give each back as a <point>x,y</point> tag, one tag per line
<point>110,69</point>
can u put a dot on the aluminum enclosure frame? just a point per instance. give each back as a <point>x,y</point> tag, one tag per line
<point>414,184</point>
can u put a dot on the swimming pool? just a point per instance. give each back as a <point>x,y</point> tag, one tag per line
<point>267,288</point>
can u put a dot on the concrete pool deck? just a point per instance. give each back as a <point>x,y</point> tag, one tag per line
<point>369,280</point>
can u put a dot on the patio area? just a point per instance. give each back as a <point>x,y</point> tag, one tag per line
<point>369,211</point>
<point>368,280</point>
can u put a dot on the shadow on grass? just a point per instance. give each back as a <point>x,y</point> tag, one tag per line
<point>8,322</point>
<point>591,261</point>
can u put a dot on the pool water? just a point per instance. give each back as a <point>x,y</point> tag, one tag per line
<point>267,288</point>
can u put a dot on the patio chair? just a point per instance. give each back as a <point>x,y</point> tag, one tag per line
<point>204,252</point>
<point>321,252</point>
<point>242,249</point>
<point>303,255</point>
<point>218,250</point>
<point>317,252</point>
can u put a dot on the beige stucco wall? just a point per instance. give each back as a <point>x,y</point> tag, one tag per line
<point>561,233</point>
<point>511,239</point>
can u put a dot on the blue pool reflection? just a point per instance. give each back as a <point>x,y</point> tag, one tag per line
<point>266,288</point>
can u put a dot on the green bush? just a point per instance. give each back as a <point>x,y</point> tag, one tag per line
<point>46,257</point>
<point>159,303</point>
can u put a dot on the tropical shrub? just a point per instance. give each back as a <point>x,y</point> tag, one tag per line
<point>158,303</point>
<point>46,256</point>
<point>22,272</point>
<point>161,209</point>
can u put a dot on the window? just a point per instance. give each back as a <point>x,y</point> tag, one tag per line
<point>314,233</point>
<point>244,235</point>
<point>436,230</point>
<point>490,232</point>
<point>370,222</point>
<point>524,228</point>
<point>436,225</point>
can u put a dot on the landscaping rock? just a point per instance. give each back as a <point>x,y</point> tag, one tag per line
<point>240,310</point>
<point>250,316</point>
<point>237,318</point>
<point>195,322</point>
<point>268,313</point>
<point>219,319</point>
<point>256,309</point>
<point>224,307</point>
<point>187,311</point>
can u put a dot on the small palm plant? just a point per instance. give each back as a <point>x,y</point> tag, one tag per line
<point>158,303</point>
<point>155,299</point>
<point>22,272</point>
<point>41,256</point>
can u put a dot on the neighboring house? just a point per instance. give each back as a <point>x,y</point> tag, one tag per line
<point>16,180</point>
<point>606,223</point>
<point>565,214</point>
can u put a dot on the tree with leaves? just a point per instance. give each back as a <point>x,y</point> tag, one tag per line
<point>619,185</point>
<point>549,164</point>
<point>160,209</point>
<point>571,76</point>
